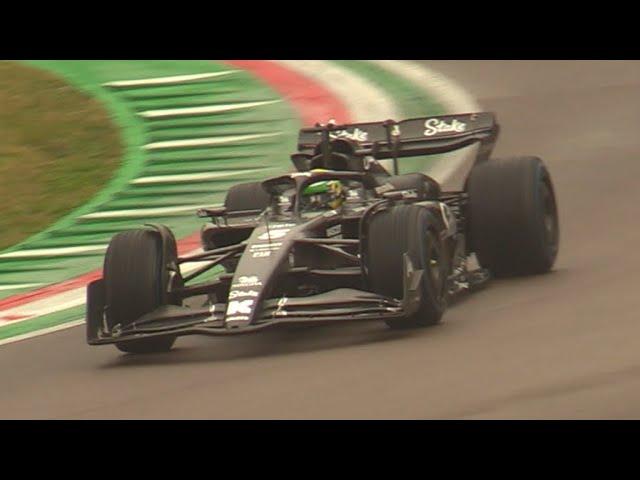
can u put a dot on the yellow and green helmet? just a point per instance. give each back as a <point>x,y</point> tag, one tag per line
<point>326,193</point>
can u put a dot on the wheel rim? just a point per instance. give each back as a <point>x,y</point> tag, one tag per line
<point>435,265</point>
<point>550,217</point>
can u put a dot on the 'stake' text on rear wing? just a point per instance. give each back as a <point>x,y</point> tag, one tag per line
<point>408,138</point>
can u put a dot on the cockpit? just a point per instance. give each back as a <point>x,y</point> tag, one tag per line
<point>331,191</point>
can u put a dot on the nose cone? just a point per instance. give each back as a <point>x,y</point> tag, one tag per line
<point>267,248</point>
<point>243,297</point>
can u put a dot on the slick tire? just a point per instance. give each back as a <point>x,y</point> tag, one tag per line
<point>413,230</point>
<point>513,216</point>
<point>133,274</point>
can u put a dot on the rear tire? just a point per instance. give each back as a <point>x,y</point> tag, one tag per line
<point>513,217</point>
<point>413,230</point>
<point>134,286</point>
<point>246,196</point>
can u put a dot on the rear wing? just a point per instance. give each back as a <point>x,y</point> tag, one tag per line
<point>407,138</point>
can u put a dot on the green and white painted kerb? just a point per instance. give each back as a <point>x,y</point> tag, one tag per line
<point>192,129</point>
<point>179,157</point>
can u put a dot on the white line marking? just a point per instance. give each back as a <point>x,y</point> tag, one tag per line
<point>204,142</point>
<point>173,80</point>
<point>144,212</point>
<point>44,331</point>
<point>364,100</point>
<point>49,252</point>
<point>20,285</point>
<point>211,109</point>
<point>194,177</point>
<point>45,306</point>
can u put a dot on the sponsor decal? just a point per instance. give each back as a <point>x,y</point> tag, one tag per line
<point>261,254</point>
<point>280,312</point>
<point>387,187</point>
<point>335,230</point>
<point>409,194</point>
<point>212,311</point>
<point>357,135</point>
<point>237,317</point>
<point>274,233</point>
<point>242,293</point>
<point>434,126</point>
<point>242,307</point>
<point>395,131</point>
<point>247,281</point>
<point>265,246</point>
<point>276,230</point>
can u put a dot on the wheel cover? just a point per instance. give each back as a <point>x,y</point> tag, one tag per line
<point>435,265</point>
<point>550,217</point>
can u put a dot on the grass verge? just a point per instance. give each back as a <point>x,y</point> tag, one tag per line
<point>58,148</point>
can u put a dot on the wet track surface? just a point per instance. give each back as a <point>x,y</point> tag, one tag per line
<point>563,345</point>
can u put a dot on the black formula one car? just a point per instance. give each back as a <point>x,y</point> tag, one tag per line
<point>340,239</point>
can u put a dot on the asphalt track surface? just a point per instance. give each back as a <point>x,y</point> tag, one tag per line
<point>562,345</point>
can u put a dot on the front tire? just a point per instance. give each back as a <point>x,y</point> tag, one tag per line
<point>513,217</point>
<point>241,197</point>
<point>134,285</point>
<point>413,230</point>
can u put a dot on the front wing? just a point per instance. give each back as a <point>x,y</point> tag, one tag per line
<point>340,305</point>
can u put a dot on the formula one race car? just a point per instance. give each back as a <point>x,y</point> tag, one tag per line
<point>340,239</point>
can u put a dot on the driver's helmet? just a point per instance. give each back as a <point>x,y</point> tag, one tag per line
<point>324,194</point>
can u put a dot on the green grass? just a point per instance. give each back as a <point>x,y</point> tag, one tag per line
<point>58,148</point>
<point>88,76</point>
